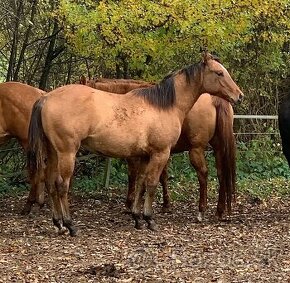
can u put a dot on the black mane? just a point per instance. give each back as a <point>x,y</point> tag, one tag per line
<point>163,95</point>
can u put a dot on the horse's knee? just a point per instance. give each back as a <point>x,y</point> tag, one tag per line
<point>62,186</point>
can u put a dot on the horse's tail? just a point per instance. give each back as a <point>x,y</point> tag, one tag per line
<point>225,134</point>
<point>37,141</point>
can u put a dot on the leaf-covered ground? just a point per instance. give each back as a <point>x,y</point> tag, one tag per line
<point>253,247</point>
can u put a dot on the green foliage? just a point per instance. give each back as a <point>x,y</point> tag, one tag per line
<point>167,31</point>
<point>264,189</point>
<point>261,159</point>
<point>262,171</point>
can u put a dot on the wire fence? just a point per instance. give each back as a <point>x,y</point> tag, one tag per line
<point>13,147</point>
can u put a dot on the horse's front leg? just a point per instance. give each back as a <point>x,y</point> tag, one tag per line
<point>153,171</point>
<point>139,193</point>
<point>133,165</point>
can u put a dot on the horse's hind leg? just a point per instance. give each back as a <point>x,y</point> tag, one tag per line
<point>221,206</point>
<point>66,163</point>
<point>51,179</point>
<point>164,184</point>
<point>197,159</point>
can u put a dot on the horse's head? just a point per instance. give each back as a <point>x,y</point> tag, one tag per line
<point>217,80</point>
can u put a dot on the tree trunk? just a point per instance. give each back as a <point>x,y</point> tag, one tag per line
<point>52,53</point>
<point>13,53</point>
<point>25,41</point>
<point>69,70</point>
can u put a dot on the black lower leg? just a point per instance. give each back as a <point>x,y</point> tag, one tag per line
<point>137,218</point>
<point>57,223</point>
<point>151,223</point>
<point>71,227</point>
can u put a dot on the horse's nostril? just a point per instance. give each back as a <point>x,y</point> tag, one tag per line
<point>241,96</point>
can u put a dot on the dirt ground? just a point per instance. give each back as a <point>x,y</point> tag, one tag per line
<point>253,247</point>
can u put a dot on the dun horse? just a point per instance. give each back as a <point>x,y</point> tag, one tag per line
<point>144,123</point>
<point>210,120</point>
<point>16,101</point>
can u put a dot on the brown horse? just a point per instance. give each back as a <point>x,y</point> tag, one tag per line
<point>16,101</point>
<point>144,123</point>
<point>210,120</point>
<point>120,86</point>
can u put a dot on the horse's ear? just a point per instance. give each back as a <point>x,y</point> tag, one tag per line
<point>206,56</point>
<point>83,80</point>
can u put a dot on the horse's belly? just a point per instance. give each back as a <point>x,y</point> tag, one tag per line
<point>116,145</point>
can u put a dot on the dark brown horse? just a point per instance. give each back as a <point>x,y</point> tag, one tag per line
<point>210,120</point>
<point>16,101</point>
<point>144,123</point>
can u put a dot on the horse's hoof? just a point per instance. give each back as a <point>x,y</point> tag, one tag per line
<point>152,226</point>
<point>61,231</point>
<point>166,209</point>
<point>138,226</point>
<point>73,232</point>
<point>41,205</point>
<point>200,217</point>
<point>25,211</point>
<point>127,211</point>
<point>219,216</point>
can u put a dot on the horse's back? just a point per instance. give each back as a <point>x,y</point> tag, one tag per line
<point>16,101</point>
<point>284,126</point>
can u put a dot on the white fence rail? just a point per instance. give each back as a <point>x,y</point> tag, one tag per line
<point>265,117</point>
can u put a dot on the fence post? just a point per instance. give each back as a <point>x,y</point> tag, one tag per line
<point>107,172</point>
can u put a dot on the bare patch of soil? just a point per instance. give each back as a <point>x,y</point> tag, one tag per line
<point>253,247</point>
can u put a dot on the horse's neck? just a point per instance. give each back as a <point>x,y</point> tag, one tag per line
<point>186,94</point>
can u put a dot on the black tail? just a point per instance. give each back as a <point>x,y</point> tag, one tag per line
<point>226,141</point>
<point>37,146</point>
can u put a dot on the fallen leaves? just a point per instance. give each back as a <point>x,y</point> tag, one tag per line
<point>253,247</point>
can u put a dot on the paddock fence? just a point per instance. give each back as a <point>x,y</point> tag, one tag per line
<point>245,127</point>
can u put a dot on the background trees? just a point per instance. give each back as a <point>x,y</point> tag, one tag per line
<point>47,43</point>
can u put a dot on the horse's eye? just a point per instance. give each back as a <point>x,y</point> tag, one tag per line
<point>220,73</point>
